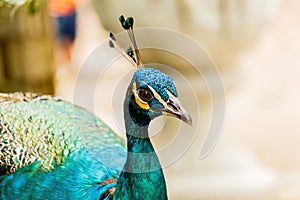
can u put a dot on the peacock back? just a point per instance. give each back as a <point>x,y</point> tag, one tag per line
<point>44,137</point>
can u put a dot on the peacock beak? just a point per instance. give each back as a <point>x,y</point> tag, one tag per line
<point>174,108</point>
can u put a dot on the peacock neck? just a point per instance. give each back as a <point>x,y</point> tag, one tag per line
<point>138,140</point>
<point>142,176</point>
<point>141,156</point>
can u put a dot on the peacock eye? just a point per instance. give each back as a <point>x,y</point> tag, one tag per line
<point>145,94</point>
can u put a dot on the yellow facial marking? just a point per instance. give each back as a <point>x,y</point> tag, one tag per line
<point>141,103</point>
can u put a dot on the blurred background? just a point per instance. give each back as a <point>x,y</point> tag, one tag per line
<point>254,44</point>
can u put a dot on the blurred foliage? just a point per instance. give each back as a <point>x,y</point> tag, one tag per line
<point>33,5</point>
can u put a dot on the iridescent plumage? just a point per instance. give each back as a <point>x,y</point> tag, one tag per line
<point>45,129</point>
<point>51,149</point>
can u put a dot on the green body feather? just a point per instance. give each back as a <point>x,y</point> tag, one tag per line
<point>51,149</point>
<point>48,130</point>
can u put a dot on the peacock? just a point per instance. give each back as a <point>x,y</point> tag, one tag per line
<point>52,149</point>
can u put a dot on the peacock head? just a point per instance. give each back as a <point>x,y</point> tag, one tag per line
<point>152,93</point>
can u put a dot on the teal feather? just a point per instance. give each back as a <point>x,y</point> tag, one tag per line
<point>51,149</point>
<point>70,137</point>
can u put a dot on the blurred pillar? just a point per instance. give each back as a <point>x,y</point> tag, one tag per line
<point>26,49</point>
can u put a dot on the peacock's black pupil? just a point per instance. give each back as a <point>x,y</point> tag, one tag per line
<point>144,94</point>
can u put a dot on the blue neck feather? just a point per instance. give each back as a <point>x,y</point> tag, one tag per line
<point>142,176</point>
